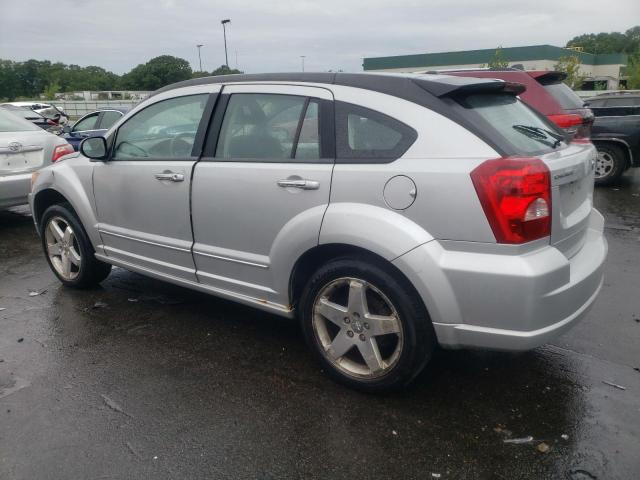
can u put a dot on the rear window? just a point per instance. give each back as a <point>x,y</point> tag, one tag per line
<point>526,131</point>
<point>566,97</point>
<point>12,123</point>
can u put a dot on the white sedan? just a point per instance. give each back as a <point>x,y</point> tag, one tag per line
<point>24,148</point>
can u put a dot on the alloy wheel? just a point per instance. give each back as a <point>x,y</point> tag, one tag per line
<point>62,248</point>
<point>358,328</point>
<point>604,165</point>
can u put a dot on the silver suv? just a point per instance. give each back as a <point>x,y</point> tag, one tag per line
<point>388,213</point>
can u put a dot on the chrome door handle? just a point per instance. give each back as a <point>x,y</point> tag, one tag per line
<point>301,184</point>
<point>172,177</point>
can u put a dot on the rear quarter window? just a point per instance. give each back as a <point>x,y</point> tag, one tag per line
<point>367,136</point>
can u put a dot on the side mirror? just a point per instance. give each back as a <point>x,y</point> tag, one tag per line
<point>94,148</point>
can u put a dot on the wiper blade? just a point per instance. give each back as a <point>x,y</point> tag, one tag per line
<point>540,134</point>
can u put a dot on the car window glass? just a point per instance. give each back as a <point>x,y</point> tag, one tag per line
<point>619,102</point>
<point>362,133</point>
<point>260,126</point>
<point>109,118</point>
<point>9,122</point>
<point>308,146</point>
<point>166,129</point>
<point>87,123</point>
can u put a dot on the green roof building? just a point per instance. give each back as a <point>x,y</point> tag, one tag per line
<point>596,67</point>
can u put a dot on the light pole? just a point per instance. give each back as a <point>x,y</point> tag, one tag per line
<point>303,57</point>
<point>199,57</point>
<point>224,32</point>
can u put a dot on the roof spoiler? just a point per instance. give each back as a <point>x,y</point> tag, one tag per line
<point>454,86</point>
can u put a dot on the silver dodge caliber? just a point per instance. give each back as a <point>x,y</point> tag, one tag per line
<point>388,213</point>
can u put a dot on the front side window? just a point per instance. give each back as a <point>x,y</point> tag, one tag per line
<point>87,123</point>
<point>269,126</point>
<point>366,135</point>
<point>164,130</point>
<point>109,118</point>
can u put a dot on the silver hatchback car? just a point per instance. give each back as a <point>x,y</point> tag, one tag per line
<point>388,213</point>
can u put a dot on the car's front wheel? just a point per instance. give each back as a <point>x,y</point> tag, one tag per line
<point>366,324</point>
<point>68,249</point>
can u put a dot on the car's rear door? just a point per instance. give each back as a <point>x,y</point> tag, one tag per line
<point>142,191</point>
<point>261,189</point>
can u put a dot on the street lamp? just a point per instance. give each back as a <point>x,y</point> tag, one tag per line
<point>199,57</point>
<point>303,57</point>
<point>224,32</point>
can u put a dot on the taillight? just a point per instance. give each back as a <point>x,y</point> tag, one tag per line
<point>515,194</point>
<point>61,151</point>
<point>577,126</point>
<point>51,122</point>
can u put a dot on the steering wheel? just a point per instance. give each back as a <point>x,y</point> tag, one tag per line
<point>136,147</point>
<point>174,146</point>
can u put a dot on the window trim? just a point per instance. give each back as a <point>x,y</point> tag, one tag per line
<point>197,143</point>
<point>408,134</point>
<point>325,117</point>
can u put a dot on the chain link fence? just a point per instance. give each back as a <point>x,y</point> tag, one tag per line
<point>78,108</point>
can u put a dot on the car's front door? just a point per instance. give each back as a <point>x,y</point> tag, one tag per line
<point>142,191</point>
<point>261,190</point>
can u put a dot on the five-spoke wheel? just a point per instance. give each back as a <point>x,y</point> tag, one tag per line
<point>62,248</point>
<point>366,323</point>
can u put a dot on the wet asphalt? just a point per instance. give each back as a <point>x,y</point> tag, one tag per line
<point>142,379</point>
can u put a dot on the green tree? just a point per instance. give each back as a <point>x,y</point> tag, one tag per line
<point>156,73</point>
<point>225,70</point>
<point>498,62</point>
<point>613,42</point>
<point>633,73</point>
<point>51,90</point>
<point>571,66</point>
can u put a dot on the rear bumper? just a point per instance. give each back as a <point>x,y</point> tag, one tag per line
<point>14,189</point>
<point>507,302</point>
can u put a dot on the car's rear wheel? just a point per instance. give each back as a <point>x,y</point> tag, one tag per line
<point>366,324</point>
<point>68,250</point>
<point>610,164</point>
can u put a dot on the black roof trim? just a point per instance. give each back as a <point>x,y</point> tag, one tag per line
<point>403,86</point>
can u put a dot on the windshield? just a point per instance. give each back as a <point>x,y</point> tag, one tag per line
<point>525,130</point>
<point>9,122</point>
<point>566,97</point>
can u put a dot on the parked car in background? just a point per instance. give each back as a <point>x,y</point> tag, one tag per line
<point>615,133</point>
<point>93,124</point>
<point>419,210</point>
<point>546,92</point>
<point>47,110</point>
<point>24,148</point>
<point>28,114</point>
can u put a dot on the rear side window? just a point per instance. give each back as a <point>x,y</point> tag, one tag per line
<point>270,127</point>
<point>367,136</point>
<point>526,131</point>
<point>566,97</point>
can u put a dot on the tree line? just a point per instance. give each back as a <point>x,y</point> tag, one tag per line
<point>33,78</point>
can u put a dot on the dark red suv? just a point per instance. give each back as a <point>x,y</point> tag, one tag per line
<point>546,93</point>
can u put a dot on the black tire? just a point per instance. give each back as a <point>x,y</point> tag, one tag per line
<point>417,330</point>
<point>611,163</point>
<point>91,271</point>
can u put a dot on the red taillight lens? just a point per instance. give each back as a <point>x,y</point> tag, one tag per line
<point>577,126</point>
<point>51,122</point>
<point>61,151</point>
<point>515,194</point>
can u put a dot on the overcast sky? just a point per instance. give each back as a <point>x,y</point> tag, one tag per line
<point>271,36</point>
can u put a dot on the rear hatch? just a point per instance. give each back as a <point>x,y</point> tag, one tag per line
<point>517,131</point>
<point>571,171</point>
<point>572,116</point>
